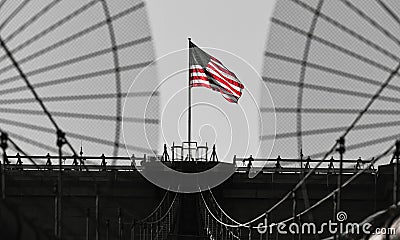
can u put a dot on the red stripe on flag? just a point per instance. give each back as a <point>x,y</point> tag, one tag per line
<point>196,70</point>
<point>224,93</point>
<point>213,58</point>
<point>198,77</point>
<point>230,88</point>
<point>233,82</point>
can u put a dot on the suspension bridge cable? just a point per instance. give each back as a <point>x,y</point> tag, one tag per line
<point>332,45</point>
<point>18,149</point>
<point>79,115</point>
<point>227,229</point>
<point>156,209</point>
<point>75,36</point>
<point>328,110</point>
<point>31,20</point>
<point>219,207</point>
<point>388,10</point>
<point>75,78</point>
<point>13,14</point>
<point>334,71</point>
<point>365,144</point>
<point>356,120</point>
<point>77,97</point>
<point>72,135</point>
<point>219,221</point>
<point>328,130</point>
<point>35,143</point>
<point>302,76</point>
<point>166,213</point>
<point>371,163</point>
<point>51,28</point>
<point>2,3</point>
<point>374,160</point>
<point>329,89</point>
<point>76,60</point>
<point>347,30</point>
<point>371,21</point>
<point>117,74</point>
<point>17,66</point>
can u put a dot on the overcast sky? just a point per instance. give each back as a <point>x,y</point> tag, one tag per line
<point>236,32</point>
<point>238,27</point>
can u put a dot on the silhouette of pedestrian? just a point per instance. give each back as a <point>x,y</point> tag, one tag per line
<point>250,162</point>
<point>19,162</point>
<point>278,166</point>
<point>103,162</point>
<point>214,155</point>
<point>165,155</point>
<point>48,162</point>
<point>75,162</point>
<point>307,166</point>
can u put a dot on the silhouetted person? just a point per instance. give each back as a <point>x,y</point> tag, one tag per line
<point>103,162</point>
<point>331,165</point>
<point>75,162</point>
<point>214,155</point>
<point>19,162</point>
<point>307,166</point>
<point>278,164</point>
<point>165,154</point>
<point>48,162</point>
<point>250,162</point>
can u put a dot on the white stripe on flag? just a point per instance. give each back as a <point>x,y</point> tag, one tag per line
<point>223,67</point>
<point>200,74</point>
<point>225,84</point>
<point>196,67</point>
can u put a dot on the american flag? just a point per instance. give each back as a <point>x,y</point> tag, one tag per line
<point>207,71</point>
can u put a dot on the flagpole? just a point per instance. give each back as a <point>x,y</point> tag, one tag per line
<point>189,107</point>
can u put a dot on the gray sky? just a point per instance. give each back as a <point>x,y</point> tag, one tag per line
<point>237,27</point>
<point>235,32</point>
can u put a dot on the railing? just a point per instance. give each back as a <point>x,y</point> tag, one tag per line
<point>133,163</point>
<point>301,165</point>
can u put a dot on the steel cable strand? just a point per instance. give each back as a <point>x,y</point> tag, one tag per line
<point>356,120</point>
<point>18,149</point>
<point>219,207</point>
<point>375,159</point>
<point>174,201</point>
<point>216,219</point>
<point>226,227</point>
<point>348,30</point>
<point>45,110</point>
<point>73,37</point>
<point>224,214</point>
<point>32,20</point>
<point>117,72</point>
<point>51,28</point>
<point>156,209</point>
